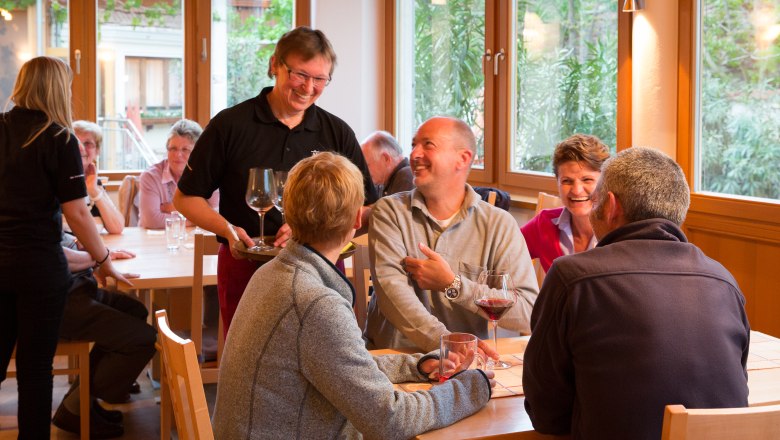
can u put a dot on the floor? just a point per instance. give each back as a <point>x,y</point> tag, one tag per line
<point>141,414</point>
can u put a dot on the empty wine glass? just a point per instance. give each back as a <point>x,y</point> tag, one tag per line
<point>260,196</point>
<point>495,300</point>
<point>280,177</point>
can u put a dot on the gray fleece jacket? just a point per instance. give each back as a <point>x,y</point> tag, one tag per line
<point>295,365</point>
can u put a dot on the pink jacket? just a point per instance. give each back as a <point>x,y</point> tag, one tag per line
<point>542,237</point>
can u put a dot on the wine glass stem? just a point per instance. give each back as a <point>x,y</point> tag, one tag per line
<point>260,241</point>
<point>495,334</point>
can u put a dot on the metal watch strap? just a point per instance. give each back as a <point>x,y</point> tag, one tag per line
<point>453,290</point>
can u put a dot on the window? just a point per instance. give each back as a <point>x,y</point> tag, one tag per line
<point>244,36</point>
<point>29,30</point>
<point>566,77</point>
<point>738,111</point>
<point>524,74</point>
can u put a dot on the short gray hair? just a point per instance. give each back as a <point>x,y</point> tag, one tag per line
<point>184,128</point>
<point>90,128</point>
<point>384,141</point>
<point>648,183</point>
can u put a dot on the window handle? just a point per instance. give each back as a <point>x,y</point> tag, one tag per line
<point>204,53</point>
<point>499,57</point>
<point>77,57</point>
<point>486,57</point>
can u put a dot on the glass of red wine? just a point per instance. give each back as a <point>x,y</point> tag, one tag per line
<point>495,299</point>
<point>260,196</point>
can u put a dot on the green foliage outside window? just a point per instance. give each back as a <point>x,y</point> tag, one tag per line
<point>448,47</point>
<point>740,98</point>
<point>569,88</point>
<point>251,41</point>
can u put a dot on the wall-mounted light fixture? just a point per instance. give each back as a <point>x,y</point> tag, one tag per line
<point>6,14</point>
<point>632,5</point>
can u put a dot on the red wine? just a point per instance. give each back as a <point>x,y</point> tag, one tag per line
<point>494,307</point>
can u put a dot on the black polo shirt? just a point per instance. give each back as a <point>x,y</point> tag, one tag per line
<point>34,182</point>
<point>248,135</point>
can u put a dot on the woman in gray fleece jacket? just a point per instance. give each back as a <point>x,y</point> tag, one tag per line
<point>295,365</point>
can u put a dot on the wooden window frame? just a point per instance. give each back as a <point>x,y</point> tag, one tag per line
<point>739,216</point>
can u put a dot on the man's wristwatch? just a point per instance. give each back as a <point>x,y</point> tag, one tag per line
<point>453,290</point>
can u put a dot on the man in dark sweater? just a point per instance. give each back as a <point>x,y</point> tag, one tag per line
<point>642,321</point>
<point>390,170</point>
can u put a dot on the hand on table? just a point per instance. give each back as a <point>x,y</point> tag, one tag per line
<point>121,254</point>
<point>432,273</point>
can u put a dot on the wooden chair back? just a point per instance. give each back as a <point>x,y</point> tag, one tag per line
<point>754,423</point>
<point>204,244</point>
<point>78,364</point>
<point>544,201</point>
<point>182,384</point>
<point>361,270</point>
<point>128,199</point>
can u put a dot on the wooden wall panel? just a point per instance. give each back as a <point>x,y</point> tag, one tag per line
<point>750,257</point>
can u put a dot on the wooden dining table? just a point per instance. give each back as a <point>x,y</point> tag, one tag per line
<point>505,417</point>
<point>157,267</point>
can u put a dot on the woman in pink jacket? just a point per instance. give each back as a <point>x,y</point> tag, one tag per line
<point>567,230</point>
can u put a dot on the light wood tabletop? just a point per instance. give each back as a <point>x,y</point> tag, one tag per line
<point>158,267</point>
<point>505,417</point>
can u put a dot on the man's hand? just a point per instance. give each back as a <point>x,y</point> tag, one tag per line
<point>486,349</point>
<point>283,235</point>
<point>242,236</point>
<point>431,273</point>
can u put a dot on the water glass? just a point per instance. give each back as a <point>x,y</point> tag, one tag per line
<point>173,228</point>
<point>458,352</point>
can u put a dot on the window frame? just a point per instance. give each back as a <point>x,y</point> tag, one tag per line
<point>499,23</point>
<point>724,212</point>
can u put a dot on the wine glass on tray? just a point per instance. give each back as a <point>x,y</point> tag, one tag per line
<point>496,298</point>
<point>280,177</point>
<point>260,196</point>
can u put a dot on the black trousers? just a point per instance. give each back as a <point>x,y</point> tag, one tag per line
<point>124,342</point>
<point>30,312</point>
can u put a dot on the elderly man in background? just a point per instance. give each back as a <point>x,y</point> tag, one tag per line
<point>390,170</point>
<point>158,183</point>
<point>90,136</point>
<point>427,247</point>
<point>642,321</point>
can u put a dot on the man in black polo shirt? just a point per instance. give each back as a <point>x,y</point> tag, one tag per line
<point>273,130</point>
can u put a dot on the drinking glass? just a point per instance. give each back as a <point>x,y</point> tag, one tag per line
<point>173,229</point>
<point>280,177</point>
<point>457,352</point>
<point>260,196</point>
<point>495,300</point>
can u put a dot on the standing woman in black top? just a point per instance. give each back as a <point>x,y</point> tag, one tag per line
<point>41,178</point>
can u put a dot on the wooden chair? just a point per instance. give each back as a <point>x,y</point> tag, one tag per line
<point>361,269</point>
<point>128,200</point>
<point>754,423</point>
<point>204,245</point>
<point>182,386</point>
<point>544,201</point>
<point>78,364</point>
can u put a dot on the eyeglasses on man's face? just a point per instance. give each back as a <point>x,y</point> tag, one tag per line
<point>301,77</point>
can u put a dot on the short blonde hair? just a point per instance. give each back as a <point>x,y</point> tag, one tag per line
<point>322,196</point>
<point>43,84</point>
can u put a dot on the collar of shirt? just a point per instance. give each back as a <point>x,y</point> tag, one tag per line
<point>471,200</point>
<point>167,177</point>
<point>566,237</point>
<point>265,115</point>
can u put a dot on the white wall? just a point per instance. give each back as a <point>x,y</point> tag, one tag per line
<point>356,31</point>
<point>654,56</point>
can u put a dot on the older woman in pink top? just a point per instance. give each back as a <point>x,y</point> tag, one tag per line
<point>158,183</point>
<point>567,230</point>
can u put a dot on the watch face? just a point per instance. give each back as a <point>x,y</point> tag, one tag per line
<point>452,293</point>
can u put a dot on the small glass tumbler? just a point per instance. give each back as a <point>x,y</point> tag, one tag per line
<point>173,227</point>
